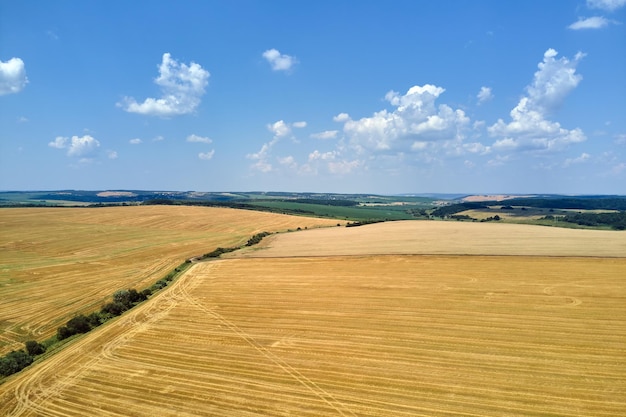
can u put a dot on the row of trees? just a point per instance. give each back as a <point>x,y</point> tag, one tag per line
<point>615,220</point>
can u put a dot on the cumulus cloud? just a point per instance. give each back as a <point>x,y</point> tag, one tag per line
<point>555,79</point>
<point>341,117</point>
<point>280,129</point>
<point>206,155</point>
<point>332,162</point>
<point>198,139</point>
<point>608,5</point>
<point>415,118</point>
<point>484,95</point>
<point>595,22</point>
<point>135,141</point>
<point>76,146</point>
<point>278,61</point>
<point>112,154</point>
<point>325,135</point>
<point>529,129</point>
<point>59,143</point>
<point>12,76</point>
<point>182,87</point>
<point>299,125</point>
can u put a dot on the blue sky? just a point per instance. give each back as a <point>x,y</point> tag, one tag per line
<point>328,96</point>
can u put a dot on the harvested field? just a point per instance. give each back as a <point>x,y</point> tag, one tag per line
<point>437,238</point>
<point>57,262</point>
<point>353,336</point>
<point>359,334</point>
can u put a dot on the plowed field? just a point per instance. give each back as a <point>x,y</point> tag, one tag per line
<point>55,262</point>
<point>361,334</point>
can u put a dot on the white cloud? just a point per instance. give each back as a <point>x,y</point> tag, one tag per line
<point>278,61</point>
<point>76,146</point>
<point>12,76</point>
<point>289,162</point>
<point>620,139</point>
<point>135,141</point>
<point>608,5</point>
<point>595,22</point>
<point>206,155</point>
<point>341,117</point>
<point>59,142</point>
<point>529,129</point>
<point>325,156</point>
<point>584,157</point>
<point>279,129</point>
<point>327,134</point>
<point>112,154</point>
<point>477,148</point>
<point>158,139</point>
<point>182,87</point>
<point>554,80</point>
<point>198,139</point>
<point>22,119</point>
<point>484,95</point>
<point>261,157</point>
<point>415,118</point>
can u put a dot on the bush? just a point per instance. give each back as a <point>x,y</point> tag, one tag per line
<point>95,319</point>
<point>63,333</point>
<point>34,348</point>
<point>78,324</point>
<point>158,285</point>
<point>258,237</point>
<point>14,362</point>
<point>113,309</point>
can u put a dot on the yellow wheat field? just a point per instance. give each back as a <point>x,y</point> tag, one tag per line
<point>358,334</point>
<point>436,237</point>
<point>57,262</point>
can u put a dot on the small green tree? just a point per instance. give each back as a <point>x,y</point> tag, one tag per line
<point>14,362</point>
<point>34,348</point>
<point>78,324</point>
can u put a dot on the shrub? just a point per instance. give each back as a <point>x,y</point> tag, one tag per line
<point>78,324</point>
<point>63,333</point>
<point>95,319</point>
<point>34,348</point>
<point>113,309</point>
<point>14,362</point>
